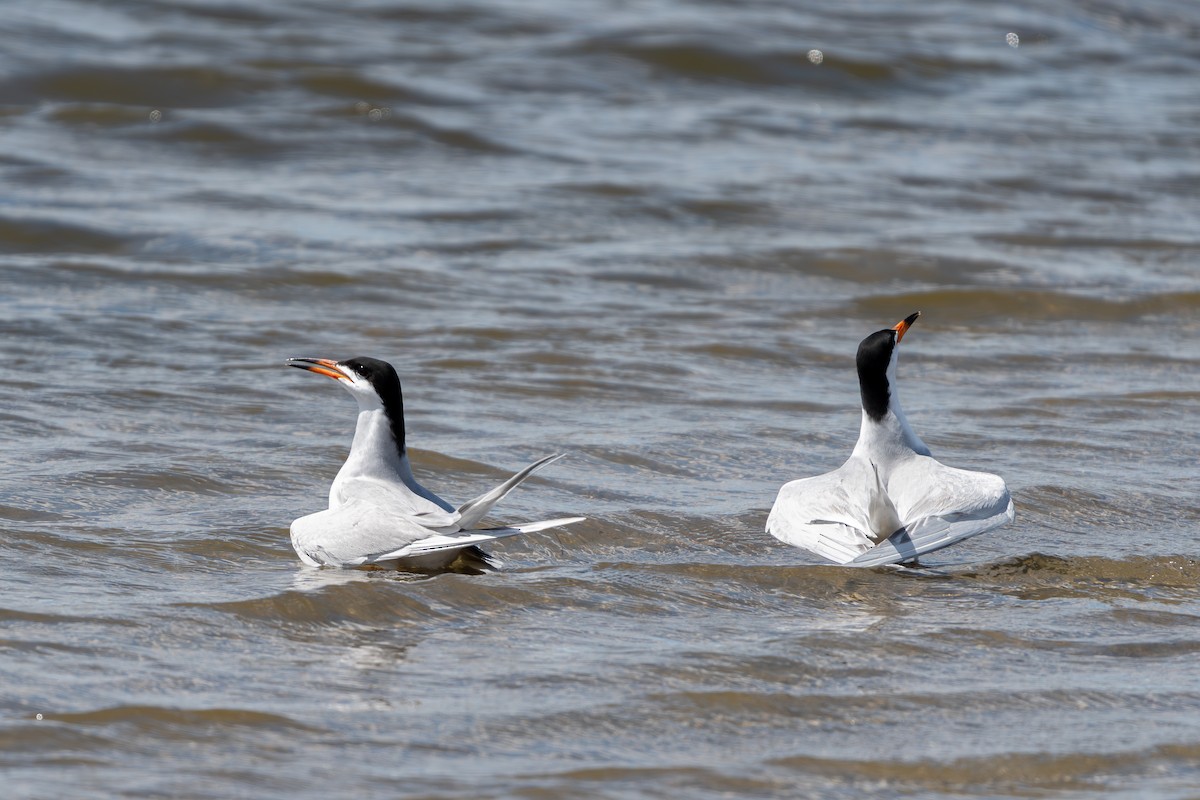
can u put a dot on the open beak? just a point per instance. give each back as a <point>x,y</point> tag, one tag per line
<point>321,366</point>
<point>903,325</point>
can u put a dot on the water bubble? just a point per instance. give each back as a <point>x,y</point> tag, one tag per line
<point>39,717</point>
<point>1012,39</point>
<point>816,56</point>
<point>156,115</point>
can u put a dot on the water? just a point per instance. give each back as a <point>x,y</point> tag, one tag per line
<point>649,234</point>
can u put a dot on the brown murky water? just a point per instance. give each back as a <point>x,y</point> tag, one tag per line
<point>650,234</point>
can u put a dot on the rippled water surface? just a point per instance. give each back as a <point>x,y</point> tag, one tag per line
<point>649,234</point>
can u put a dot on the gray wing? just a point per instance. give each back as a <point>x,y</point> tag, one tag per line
<point>355,533</point>
<point>839,515</point>
<point>399,501</point>
<point>358,533</point>
<point>458,541</point>
<point>378,521</point>
<point>939,506</point>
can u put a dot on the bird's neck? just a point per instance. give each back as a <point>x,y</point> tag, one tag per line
<point>375,452</point>
<point>888,438</point>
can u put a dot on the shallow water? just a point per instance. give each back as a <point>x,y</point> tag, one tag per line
<point>651,235</point>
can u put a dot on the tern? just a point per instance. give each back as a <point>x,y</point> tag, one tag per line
<point>378,514</point>
<point>891,501</point>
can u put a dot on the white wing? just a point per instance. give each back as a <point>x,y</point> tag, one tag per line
<point>940,506</point>
<point>472,511</point>
<point>848,517</point>
<point>838,515</point>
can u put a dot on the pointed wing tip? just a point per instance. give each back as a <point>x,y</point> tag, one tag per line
<point>556,523</point>
<point>541,525</point>
<point>475,509</point>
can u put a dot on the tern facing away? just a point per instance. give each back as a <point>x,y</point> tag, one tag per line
<point>378,514</point>
<point>891,501</point>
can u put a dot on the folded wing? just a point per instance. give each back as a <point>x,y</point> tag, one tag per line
<point>379,521</point>
<point>399,500</point>
<point>358,533</point>
<point>355,533</point>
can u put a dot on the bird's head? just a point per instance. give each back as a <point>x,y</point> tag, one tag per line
<point>373,383</point>
<point>877,366</point>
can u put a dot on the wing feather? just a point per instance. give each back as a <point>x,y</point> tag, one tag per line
<point>400,501</point>
<point>940,506</point>
<point>826,514</point>
<point>457,541</point>
<point>847,517</point>
<point>355,533</point>
<point>472,511</point>
<point>377,521</point>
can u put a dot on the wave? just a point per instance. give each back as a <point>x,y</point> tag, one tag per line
<point>972,306</point>
<point>165,86</point>
<point>699,59</point>
<point>165,717</point>
<point>1009,774</point>
<point>323,598</point>
<point>34,235</point>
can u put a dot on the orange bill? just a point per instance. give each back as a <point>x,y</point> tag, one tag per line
<point>322,366</point>
<point>903,325</point>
